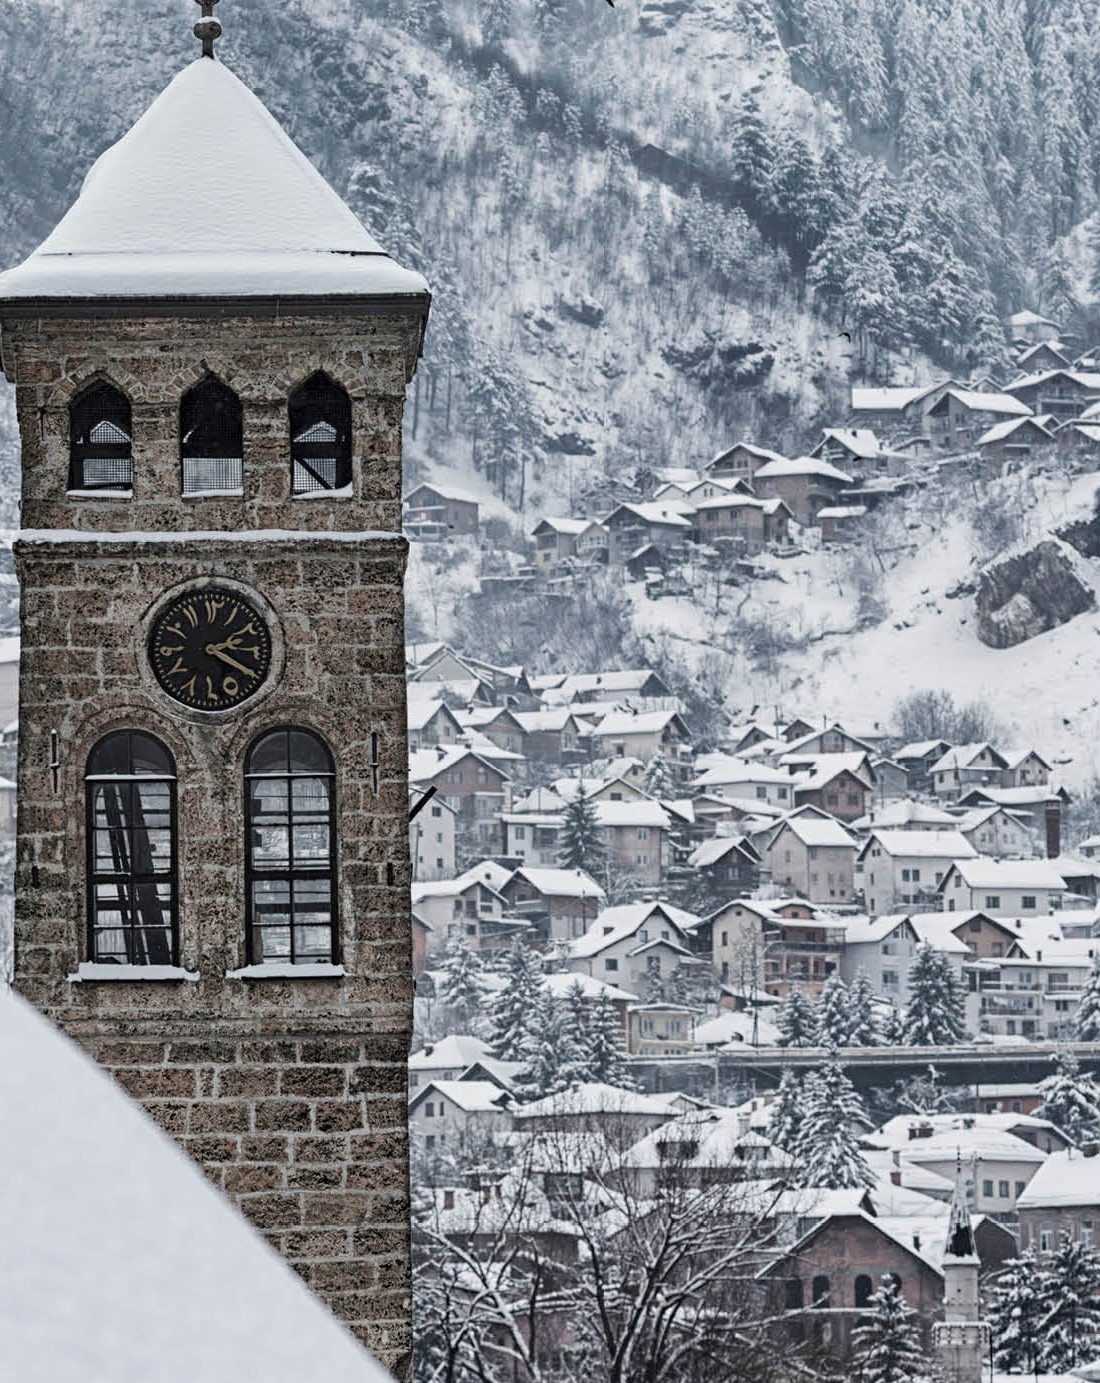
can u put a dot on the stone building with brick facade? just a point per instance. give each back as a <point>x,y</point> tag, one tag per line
<point>210,357</point>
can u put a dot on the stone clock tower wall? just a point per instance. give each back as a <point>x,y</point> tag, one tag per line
<point>289,1092</point>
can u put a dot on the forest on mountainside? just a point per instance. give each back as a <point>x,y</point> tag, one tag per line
<point>645,227</point>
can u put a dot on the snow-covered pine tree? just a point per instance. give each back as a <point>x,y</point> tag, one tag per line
<point>861,1004</point>
<point>658,776</point>
<point>1071,1099</point>
<point>1014,1315</point>
<point>514,1006</point>
<point>833,1122</point>
<point>583,844</point>
<point>462,981</point>
<point>934,1017</point>
<point>1086,1020</point>
<point>796,1019</point>
<point>886,1346</point>
<point>576,1008</point>
<point>1069,1306</point>
<point>834,1012</point>
<point>552,1061</point>
<point>604,1058</point>
<point>786,1111</point>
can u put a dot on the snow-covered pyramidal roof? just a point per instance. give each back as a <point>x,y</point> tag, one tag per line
<point>118,1260</point>
<point>208,196</point>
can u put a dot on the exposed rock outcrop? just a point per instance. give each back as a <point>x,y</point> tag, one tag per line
<point>1028,594</point>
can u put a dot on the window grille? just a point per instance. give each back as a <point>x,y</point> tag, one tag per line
<point>290,825</point>
<point>131,830</point>
<point>100,454</point>
<point>211,439</point>
<point>320,432</point>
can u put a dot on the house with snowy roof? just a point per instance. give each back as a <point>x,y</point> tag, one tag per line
<point>886,947</point>
<point>740,462</point>
<point>1062,1198</point>
<point>1034,989</point>
<point>443,1114</point>
<point>994,830</point>
<point>900,869</point>
<point>611,684</point>
<point>841,785</point>
<point>1013,439</point>
<point>959,417</point>
<point>499,725</point>
<point>663,524</point>
<point>432,839</point>
<point>769,947</point>
<point>638,837</point>
<point>559,903</point>
<point>996,1164</point>
<point>1062,393</point>
<point>805,484</point>
<point>437,511</point>
<point>751,523</point>
<point>730,865</point>
<point>964,767</point>
<point>1042,356</point>
<point>630,944</point>
<point>747,780</point>
<point>431,722</point>
<point>812,855</point>
<point>620,1114</point>
<point>643,735</point>
<point>1002,888</point>
<point>551,735</point>
<point>1025,328</point>
<point>473,784</point>
<point>556,540</point>
<point>907,815</point>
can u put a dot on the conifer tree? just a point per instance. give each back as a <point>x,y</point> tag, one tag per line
<point>796,1020</point>
<point>549,1053</point>
<point>576,1008</point>
<point>786,1111</point>
<point>1069,1306</point>
<point>861,1003</point>
<point>934,1017</point>
<point>1086,1021</point>
<point>834,1012</point>
<point>462,981</point>
<point>583,844</point>
<point>833,1122</point>
<point>658,776</point>
<point>514,1006</point>
<point>1014,1316</point>
<point>886,1348</point>
<point>1071,1100</point>
<point>605,1057</point>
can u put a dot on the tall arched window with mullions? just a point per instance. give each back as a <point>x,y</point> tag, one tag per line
<point>290,825</point>
<point>130,787</point>
<point>211,440</point>
<point>100,449</point>
<point>320,436</point>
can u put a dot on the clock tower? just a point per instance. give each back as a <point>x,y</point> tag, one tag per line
<point>210,356</point>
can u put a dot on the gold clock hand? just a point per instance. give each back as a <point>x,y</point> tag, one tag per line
<point>215,651</point>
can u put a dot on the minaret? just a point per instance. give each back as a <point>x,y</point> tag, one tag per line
<point>210,355</point>
<point>961,1339</point>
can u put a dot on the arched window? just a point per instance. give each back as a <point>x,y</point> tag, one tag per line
<point>792,1294</point>
<point>864,1290</point>
<point>819,1292</point>
<point>211,440</point>
<point>290,824</point>
<point>131,826</point>
<point>320,436</point>
<point>100,456</point>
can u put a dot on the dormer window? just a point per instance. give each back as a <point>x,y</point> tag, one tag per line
<point>100,456</point>
<point>211,440</point>
<point>320,437</point>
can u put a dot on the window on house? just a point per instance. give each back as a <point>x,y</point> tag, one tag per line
<point>792,1294</point>
<point>1003,1190</point>
<point>211,440</point>
<point>429,1110</point>
<point>1086,1233</point>
<point>819,1292</point>
<point>1046,1236</point>
<point>611,963</point>
<point>992,900</point>
<point>1027,902</point>
<point>130,789</point>
<point>320,436</point>
<point>863,1290</point>
<point>831,799</point>
<point>290,826</point>
<point>987,1188</point>
<point>761,793</point>
<point>100,452</point>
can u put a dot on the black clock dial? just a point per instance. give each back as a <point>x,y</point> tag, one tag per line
<point>210,649</point>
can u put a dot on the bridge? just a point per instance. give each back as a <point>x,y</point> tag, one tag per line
<point>758,1069</point>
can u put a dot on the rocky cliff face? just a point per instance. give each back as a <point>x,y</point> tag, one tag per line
<point>1028,594</point>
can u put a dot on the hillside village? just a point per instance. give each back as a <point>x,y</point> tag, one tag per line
<point>613,908</point>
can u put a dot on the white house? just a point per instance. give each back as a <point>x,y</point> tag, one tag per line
<point>1003,888</point>
<point>746,780</point>
<point>996,831</point>
<point>886,948</point>
<point>432,841</point>
<point>448,1111</point>
<point>898,869</point>
<point>967,766</point>
<point>629,944</point>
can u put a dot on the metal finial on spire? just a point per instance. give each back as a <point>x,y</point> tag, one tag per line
<point>208,28</point>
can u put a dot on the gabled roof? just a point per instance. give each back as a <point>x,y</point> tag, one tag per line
<point>802,465</point>
<point>949,845</point>
<point>639,723</point>
<point>761,452</point>
<point>711,851</point>
<point>982,401</point>
<point>426,764</point>
<point>1086,379</point>
<point>963,755</point>
<point>454,1052</point>
<point>667,515</point>
<point>621,923</point>
<point>983,872</point>
<point>471,1096</point>
<point>824,831</point>
<point>999,431</point>
<point>861,442</point>
<point>1067,1178</point>
<point>569,527</point>
<point>421,710</point>
<point>922,749</point>
<point>560,883</point>
<point>886,400</point>
<point>139,226</point>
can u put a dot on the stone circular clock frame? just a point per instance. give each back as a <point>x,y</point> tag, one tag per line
<point>272,645</point>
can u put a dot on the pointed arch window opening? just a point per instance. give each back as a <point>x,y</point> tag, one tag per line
<point>290,859</point>
<point>320,436</point>
<point>130,814</point>
<point>100,440</point>
<point>211,440</point>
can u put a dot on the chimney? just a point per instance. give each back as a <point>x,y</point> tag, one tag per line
<point>895,1177</point>
<point>1054,828</point>
<point>1090,1149</point>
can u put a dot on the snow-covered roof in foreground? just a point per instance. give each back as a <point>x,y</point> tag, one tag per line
<point>118,1260</point>
<point>1065,1178</point>
<point>207,195</point>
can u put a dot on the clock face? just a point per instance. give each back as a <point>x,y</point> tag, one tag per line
<point>210,649</point>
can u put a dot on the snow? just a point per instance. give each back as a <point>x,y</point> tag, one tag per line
<point>211,494</point>
<point>339,492</point>
<point>802,465</point>
<point>561,983</point>
<point>843,511</point>
<point>99,494</point>
<point>881,400</point>
<point>284,970</point>
<point>92,970</point>
<point>985,402</point>
<point>999,431</point>
<point>1065,1179</point>
<point>860,441</point>
<point>166,211</point>
<point>818,831</point>
<point>569,527</point>
<point>118,1261</point>
<point>596,1098</point>
<point>631,814</point>
<point>471,1096</point>
<point>983,872</point>
<point>561,883</point>
<point>456,1050</point>
<point>736,1030</point>
<point>923,844</point>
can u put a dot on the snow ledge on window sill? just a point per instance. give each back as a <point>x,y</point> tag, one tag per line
<point>214,494</point>
<point>343,492</point>
<point>99,494</point>
<point>98,970</point>
<point>284,970</point>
